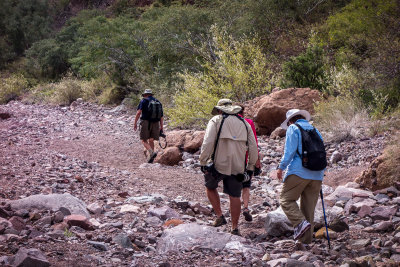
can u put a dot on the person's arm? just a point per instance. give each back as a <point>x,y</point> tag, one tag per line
<point>207,148</point>
<point>161,124</point>
<point>138,113</point>
<point>291,144</point>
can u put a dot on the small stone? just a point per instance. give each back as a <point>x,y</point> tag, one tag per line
<point>123,240</point>
<point>78,220</point>
<point>129,208</point>
<point>98,245</point>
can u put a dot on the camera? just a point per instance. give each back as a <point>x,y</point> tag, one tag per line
<point>162,134</point>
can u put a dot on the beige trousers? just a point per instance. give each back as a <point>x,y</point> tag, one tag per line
<point>293,188</point>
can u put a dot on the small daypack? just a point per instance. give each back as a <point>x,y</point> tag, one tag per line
<point>313,156</point>
<point>154,110</point>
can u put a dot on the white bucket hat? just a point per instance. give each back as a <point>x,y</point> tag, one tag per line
<point>293,112</point>
<point>225,105</point>
<point>147,92</point>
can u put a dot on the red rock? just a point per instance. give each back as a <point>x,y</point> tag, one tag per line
<point>123,194</point>
<point>364,211</point>
<point>60,226</point>
<point>79,178</point>
<point>193,141</point>
<point>171,156</point>
<point>18,223</point>
<point>30,257</point>
<point>269,111</point>
<point>78,220</point>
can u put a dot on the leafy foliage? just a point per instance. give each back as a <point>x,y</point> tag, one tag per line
<point>234,69</point>
<point>21,24</point>
<point>306,70</point>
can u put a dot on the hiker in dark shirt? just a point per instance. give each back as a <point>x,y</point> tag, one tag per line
<point>151,122</point>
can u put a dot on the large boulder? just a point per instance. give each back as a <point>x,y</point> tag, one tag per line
<point>269,111</point>
<point>383,171</point>
<point>170,156</point>
<point>193,141</point>
<point>186,236</point>
<point>51,202</point>
<point>189,141</point>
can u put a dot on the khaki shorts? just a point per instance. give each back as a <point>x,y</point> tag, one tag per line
<point>149,130</point>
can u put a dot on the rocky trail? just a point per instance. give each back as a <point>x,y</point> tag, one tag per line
<point>75,191</point>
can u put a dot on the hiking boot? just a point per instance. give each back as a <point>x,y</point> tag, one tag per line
<point>219,221</point>
<point>152,157</point>
<point>247,215</point>
<point>235,232</point>
<point>300,229</point>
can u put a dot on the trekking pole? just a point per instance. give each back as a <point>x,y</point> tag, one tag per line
<point>326,224</point>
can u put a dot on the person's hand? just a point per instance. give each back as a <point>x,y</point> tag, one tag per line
<point>258,164</point>
<point>203,169</point>
<point>279,174</point>
<point>135,127</point>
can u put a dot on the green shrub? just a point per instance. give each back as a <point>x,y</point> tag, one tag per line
<point>235,69</point>
<point>342,118</point>
<point>12,87</point>
<point>306,70</point>
<point>47,59</point>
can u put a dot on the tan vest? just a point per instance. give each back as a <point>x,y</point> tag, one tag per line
<point>231,150</point>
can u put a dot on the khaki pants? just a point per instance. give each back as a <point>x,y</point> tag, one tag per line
<point>293,188</point>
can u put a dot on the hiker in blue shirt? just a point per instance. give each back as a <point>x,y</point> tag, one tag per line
<point>151,122</point>
<point>298,180</point>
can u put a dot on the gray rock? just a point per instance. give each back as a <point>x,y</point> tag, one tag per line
<point>98,245</point>
<point>154,198</point>
<point>360,243</point>
<point>51,202</point>
<point>95,208</point>
<point>29,258</point>
<point>164,213</point>
<point>153,221</point>
<point>277,224</point>
<point>185,236</point>
<point>123,240</point>
<point>336,157</point>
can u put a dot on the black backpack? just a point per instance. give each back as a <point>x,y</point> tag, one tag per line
<point>313,156</point>
<point>155,111</point>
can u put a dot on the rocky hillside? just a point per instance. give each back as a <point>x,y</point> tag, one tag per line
<point>74,191</point>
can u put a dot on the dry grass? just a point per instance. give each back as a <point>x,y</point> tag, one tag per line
<point>342,119</point>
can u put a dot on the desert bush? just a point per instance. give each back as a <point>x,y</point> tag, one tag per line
<point>12,87</point>
<point>93,89</point>
<point>67,91</point>
<point>342,118</point>
<point>306,70</point>
<point>235,69</point>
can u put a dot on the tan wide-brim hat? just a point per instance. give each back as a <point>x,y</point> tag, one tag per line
<point>225,105</point>
<point>147,92</point>
<point>294,112</point>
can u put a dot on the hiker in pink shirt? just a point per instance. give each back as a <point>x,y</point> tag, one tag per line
<point>246,185</point>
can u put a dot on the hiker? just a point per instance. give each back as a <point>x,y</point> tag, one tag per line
<point>151,115</point>
<point>223,157</point>
<point>299,181</point>
<point>246,185</point>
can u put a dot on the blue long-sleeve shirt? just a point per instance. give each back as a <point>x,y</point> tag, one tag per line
<point>291,159</point>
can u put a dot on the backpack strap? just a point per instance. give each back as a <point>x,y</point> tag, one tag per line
<point>224,116</point>
<point>301,132</point>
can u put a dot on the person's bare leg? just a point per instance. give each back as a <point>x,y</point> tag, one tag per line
<point>213,197</point>
<point>246,197</point>
<point>147,145</point>
<point>151,143</point>
<point>235,210</point>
